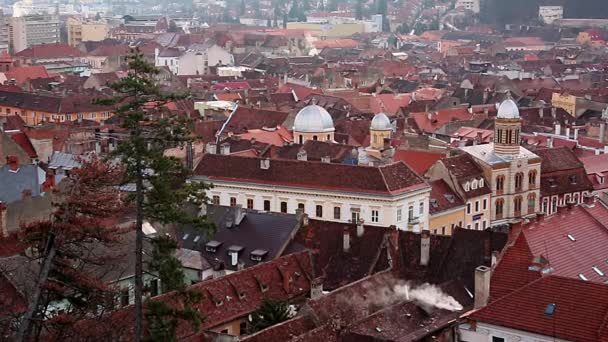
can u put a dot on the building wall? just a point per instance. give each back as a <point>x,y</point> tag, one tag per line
<point>34,30</point>
<point>471,5</point>
<point>391,210</point>
<point>548,14</point>
<point>301,137</point>
<point>231,328</point>
<point>36,117</point>
<point>550,204</point>
<point>478,219</point>
<point>444,222</point>
<point>329,31</point>
<point>565,102</point>
<point>486,332</point>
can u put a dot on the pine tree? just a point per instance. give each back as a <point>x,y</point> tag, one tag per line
<point>84,206</point>
<point>161,190</point>
<point>269,313</point>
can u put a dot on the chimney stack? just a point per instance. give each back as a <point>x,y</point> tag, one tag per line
<point>558,129</point>
<point>316,288</point>
<point>225,149</point>
<point>553,112</point>
<point>302,155</point>
<point>602,132</point>
<point>346,240</point>
<point>211,148</point>
<point>265,164</point>
<point>576,134</point>
<point>482,286</point>
<point>360,228</point>
<point>13,163</point>
<point>425,247</point>
<point>3,218</point>
<point>568,132</point>
<point>326,159</point>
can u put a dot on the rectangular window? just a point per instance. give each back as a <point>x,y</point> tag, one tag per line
<point>483,225</point>
<point>375,215</point>
<point>410,213</point>
<point>468,208</point>
<point>485,204</point>
<point>243,328</point>
<point>283,207</point>
<point>124,297</point>
<point>476,225</point>
<point>233,201</point>
<point>154,287</point>
<point>476,206</point>
<point>216,200</point>
<point>249,203</point>
<point>399,215</point>
<point>497,339</point>
<point>468,226</point>
<point>337,214</point>
<point>354,216</point>
<point>319,210</point>
<point>301,207</point>
<point>443,230</point>
<point>267,205</point>
<point>421,208</point>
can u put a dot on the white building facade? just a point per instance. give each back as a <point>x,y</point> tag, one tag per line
<point>549,14</point>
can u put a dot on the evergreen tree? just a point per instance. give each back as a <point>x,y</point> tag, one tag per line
<point>161,190</point>
<point>269,313</point>
<point>62,245</point>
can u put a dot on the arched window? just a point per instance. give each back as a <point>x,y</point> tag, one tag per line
<point>517,205</point>
<point>576,198</point>
<point>467,186</point>
<point>500,183</point>
<point>532,178</point>
<point>546,206</point>
<point>499,207</point>
<point>554,205</point>
<point>314,137</point>
<point>531,203</point>
<point>567,199</point>
<point>301,139</point>
<point>481,181</point>
<point>519,181</point>
<point>474,184</point>
<point>328,137</point>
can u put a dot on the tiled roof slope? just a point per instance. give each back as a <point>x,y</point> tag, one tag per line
<point>580,313</point>
<point>557,159</point>
<point>50,51</point>
<point>386,180</point>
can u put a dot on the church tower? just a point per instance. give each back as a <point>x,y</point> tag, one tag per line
<point>507,129</point>
<point>380,129</point>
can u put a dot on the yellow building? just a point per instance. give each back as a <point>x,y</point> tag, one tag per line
<point>446,209</point>
<point>79,31</point>
<point>566,102</point>
<point>329,31</point>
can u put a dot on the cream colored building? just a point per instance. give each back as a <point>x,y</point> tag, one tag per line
<point>566,102</point>
<point>33,30</point>
<point>513,171</point>
<point>328,30</point>
<point>313,123</point>
<point>79,31</point>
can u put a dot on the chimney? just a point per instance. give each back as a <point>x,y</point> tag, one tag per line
<point>567,132</point>
<point>211,148</point>
<point>558,129</point>
<point>189,156</point>
<point>482,286</point>
<point>239,214</point>
<point>346,240</point>
<point>589,200</point>
<point>302,155</point>
<point>326,159</point>
<point>360,228</point>
<point>602,132</point>
<point>576,134</point>
<point>553,112</point>
<point>485,95</point>
<point>316,288</point>
<point>425,247</point>
<point>225,149</point>
<point>265,164</point>
<point>3,218</point>
<point>541,112</point>
<point>550,142</point>
<point>13,163</point>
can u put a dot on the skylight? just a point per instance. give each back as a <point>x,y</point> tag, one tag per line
<point>198,237</point>
<point>186,236</point>
<point>598,271</point>
<point>582,276</point>
<point>571,237</point>
<point>550,309</point>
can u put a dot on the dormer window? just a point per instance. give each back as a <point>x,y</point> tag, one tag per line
<point>258,255</point>
<point>474,184</point>
<point>212,246</point>
<point>467,186</point>
<point>600,179</point>
<point>481,183</point>
<point>572,179</point>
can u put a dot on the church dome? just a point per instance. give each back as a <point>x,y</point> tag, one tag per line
<point>313,119</point>
<point>508,110</point>
<point>381,122</point>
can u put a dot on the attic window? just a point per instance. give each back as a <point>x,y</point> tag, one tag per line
<point>582,276</point>
<point>258,254</point>
<point>212,246</point>
<point>434,203</point>
<point>572,179</point>
<point>449,197</point>
<point>571,238</point>
<point>474,184</point>
<point>198,237</point>
<point>467,186</point>
<point>550,309</point>
<point>481,182</point>
<point>186,236</point>
<point>598,271</point>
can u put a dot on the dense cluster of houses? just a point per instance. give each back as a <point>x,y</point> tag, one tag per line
<point>390,187</point>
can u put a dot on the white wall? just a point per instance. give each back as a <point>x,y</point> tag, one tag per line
<point>485,332</point>
<point>387,206</point>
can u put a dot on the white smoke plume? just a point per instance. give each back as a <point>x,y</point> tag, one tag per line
<point>427,296</point>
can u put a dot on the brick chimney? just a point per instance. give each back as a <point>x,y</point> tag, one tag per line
<point>482,286</point>
<point>3,218</point>
<point>394,254</point>
<point>13,163</point>
<point>346,240</point>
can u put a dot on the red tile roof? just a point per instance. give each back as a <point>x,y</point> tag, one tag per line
<point>443,198</point>
<point>301,91</point>
<point>432,121</point>
<point>236,85</point>
<point>24,142</point>
<point>223,299</point>
<point>419,161</point>
<point>336,44</point>
<point>23,73</point>
<point>277,136</point>
<point>50,51</point>
<point>389,103</point>
<point>228,96</point>
<point>581,309</point>
<point>388,180</point>
<point>246,118</point>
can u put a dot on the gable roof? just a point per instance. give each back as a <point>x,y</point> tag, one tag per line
<point>384,180</point>
<point>581,309</point>
<point>12,184</point>
<point>443,198</point>
<point>43,51</point>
